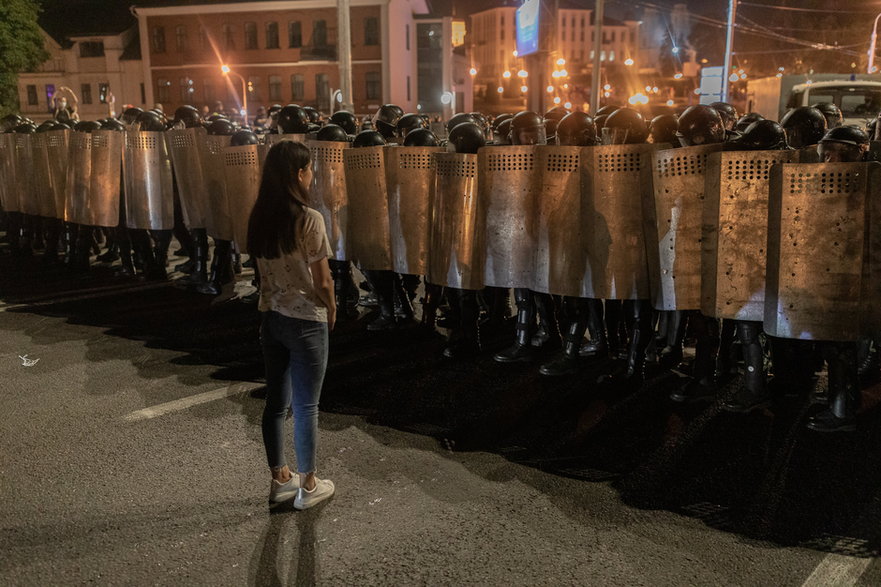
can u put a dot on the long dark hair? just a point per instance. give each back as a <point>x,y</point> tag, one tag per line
<point>279,210</point>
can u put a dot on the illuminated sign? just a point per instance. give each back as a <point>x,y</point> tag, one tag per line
<point>527,28</point>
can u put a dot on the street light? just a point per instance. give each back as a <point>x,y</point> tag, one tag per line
<point>872,43</point>
<point>227,71</point>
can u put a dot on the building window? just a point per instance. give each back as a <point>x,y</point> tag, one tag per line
<point>295,34</point>
<point>92,49</point>
<point>407,36</point>
<point>86,93</point>
<point>103,92</point>
<point>371,31</point>
<point>275,88</point>
<point>180,38</point>
<point>32,95</point>
<point>229,39</point>
<point>272,35</point>
<point>250,35</point>
<point>322,88</point>
<point>373,80</point>
<point>158,39</point>
<point>162,93</point>
<point>319,33</point>
<point>298,87</point>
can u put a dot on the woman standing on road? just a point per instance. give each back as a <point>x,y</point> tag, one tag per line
<point>289,242</point>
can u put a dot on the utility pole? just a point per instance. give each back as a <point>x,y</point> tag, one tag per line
<point>597,50</point>
<point>872,45</point>
<point>344,48</point>
<point>729,45</point>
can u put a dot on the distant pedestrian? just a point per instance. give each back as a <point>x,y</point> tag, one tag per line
<point>289,242</point>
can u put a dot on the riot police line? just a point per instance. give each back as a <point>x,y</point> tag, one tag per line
<point>607,230</point>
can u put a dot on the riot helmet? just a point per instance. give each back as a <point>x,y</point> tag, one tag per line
<point>150,121</point>
<point>368,138</point>
<point>467,137</point>
<point>500,119</point>
<point>550,129</point>
<point>313,114</point>
<point>502,136</point>
<point>332,132</point>
<point>420,137</point>
<point>843,144</point>
<point>112,124</point>
<point>130,115</point>
<point>727,112</point>
<point>624,126</point>
<point>600,121</point>
<point>293,119</point>
<point>244,137</point>
<point>832,113</point>
<point>386,118</point>
<point>700,125</point>
<point>605,110</point>
<point>408,123</point>
<point>746,120</point>
<point>9,122</point>
<point>46,126</point>
<point>556,113</point>
<point>762,135</point>
<point>86,126</point>
<point>346,120</point>
<point>25,128</point>
<point>663,129</point>
<point>221,126</point>
<point>527,128</point>
<point>804,126</point>
<point>313,128</point>
<point>188,116</point>
<point>576,129</point>
<point>460,118</point>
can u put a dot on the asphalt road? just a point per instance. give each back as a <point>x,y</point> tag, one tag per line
<point>446,474</point>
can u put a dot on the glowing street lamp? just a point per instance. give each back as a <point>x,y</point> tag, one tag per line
<point>506,75</point>
<point>225,69</point>
<point>550,89</point>
<point>557,100</point>
<point>500,89</point>
<point>628,62</point>
<point>472,71</point>
<point>561,61</point>
<point>522,73</point>
<point>524,89</point>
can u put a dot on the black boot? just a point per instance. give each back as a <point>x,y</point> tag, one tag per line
<point>430,303</point>
<point>638,314</point>
<point>157,267</point>
<point>384,287</point>
<point>753,393</point>
<point>464,343</point>
<point>403,303</point>
<point>347,304</point>
<point>577,313</point>
<point>844,391</point>
<point>702,382</point>
<point>499,301</point>
<point>221,270</point>
<point>597,347</point>
<point>670,355</point>
<point>547,337</point>
<point>198,271</point>
<point>521,350</point>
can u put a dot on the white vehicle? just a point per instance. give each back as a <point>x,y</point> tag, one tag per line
<point>859,99</point>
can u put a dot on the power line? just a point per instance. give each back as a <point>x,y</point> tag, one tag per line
<point>794,9</point>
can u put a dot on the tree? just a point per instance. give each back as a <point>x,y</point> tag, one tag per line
<point>21,48</point>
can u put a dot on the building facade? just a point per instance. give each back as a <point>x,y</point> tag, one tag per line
<point>278,52</point>
<point>444,81</point>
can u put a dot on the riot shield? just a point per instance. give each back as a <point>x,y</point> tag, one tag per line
<point>823,251</point>
<point>409,177</point>
<point>508,190</point>
<point>616,182</point>
<point>79,174</point>
<point>8,175</point>
<point>559,253</point>
<point>220,224</point>
<point>456,248</point>
<point>185,147</point>
<point>368,244</point>
<point>735,232</point>
<point>149,201</point>
<point>57,151</point>
<point>673,217</point>
<point>104,198</point>
<point>243,171</point>
<point>41,179</point>
<point>272,139</point>
<point>28,201</point>
<point>328,191</point>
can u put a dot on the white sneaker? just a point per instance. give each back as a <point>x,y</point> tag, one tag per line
<point>280,492</point>
<point>306,499</point>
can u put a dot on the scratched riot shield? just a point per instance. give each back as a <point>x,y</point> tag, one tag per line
<point>735,232</point>
<point>149,202</point>
<point>508,187</point>
<point>58,151</point>
<point>616,181</point>
<point>456,249</point>
<point>824,251</point>
<point>28,200</point>
<point>409,178</point>
<point>41,179</point>
<point>220,225</point>
<point>328,191</point>
<point>243,171</point>
<point>272,139</point>
<point>369,240</point>
<point>93,178</point>
<point>8,175</point>
<point>559,252</point>
<point>185,147</point>
<point>673,219</point>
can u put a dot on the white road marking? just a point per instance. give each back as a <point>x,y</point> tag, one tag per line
<point>193,400</point>
<point>838,570</point>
